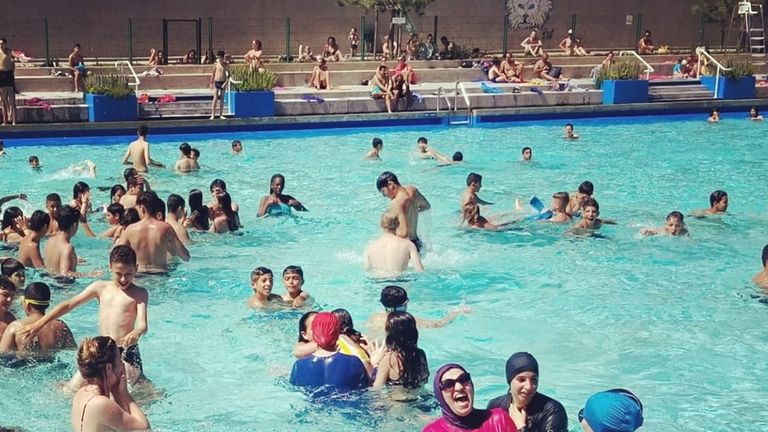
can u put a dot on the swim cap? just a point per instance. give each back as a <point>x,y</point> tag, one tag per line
<point>521,362</point>
<point>614,410</point>
<point>325,330</point>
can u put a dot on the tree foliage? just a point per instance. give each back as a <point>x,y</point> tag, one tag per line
<point>389,5</point>
<point>717,11</point>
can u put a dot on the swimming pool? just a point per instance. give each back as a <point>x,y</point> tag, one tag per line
<point>674,320</point>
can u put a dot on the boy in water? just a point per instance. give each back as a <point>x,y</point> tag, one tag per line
<point>29,247</point>
<point>293,281</point>
<point>34,163</point>
<point>261,282</point>
<point>15,271</point>
<point>586,189</point>
<point>60,255</point>
<point>425,152</point>
<point>675,226</point>
<point>138,153</point>
<point>469,197</point>
<point>134,189</point>
<point>389,253</point>
<point>237,147</point>
<point>395,299</point>
<point>375,152</point>
<point>176,216</point>
<point>7,294</point>
<point>53,336</point>
<point>185,162</point>
<point>406,203</point>
<point>589,217</point>
<point>569,134</point>
<point>559,203</point>
<point>718,204</point>
<point>714,116</point>
<point>527,154</point>
<point>53,205</point>
<point>114,214</point>
<point>122,310</point>
<point>760,279</point>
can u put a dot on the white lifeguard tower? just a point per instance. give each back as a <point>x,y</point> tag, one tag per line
<point>752,27</point>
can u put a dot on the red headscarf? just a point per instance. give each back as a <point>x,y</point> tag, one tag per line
<point>325,330</point>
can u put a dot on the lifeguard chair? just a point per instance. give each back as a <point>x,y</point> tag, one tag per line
<point>752,27</point>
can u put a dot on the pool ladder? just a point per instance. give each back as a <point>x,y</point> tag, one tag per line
<point>453,109</point>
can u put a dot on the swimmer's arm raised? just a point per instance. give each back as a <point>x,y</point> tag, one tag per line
<point>90,293</point>
<point>5,199</point>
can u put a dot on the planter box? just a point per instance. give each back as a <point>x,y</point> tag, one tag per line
<point>251,104</point>
<point>625,91</point>
<point>103,108</point>
<point>731,88</point>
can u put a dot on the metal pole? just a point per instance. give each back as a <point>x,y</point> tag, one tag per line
<point>375,33</point>
<point>130,40</point>
<point>199,37</point>
<point>210,34</point>
<point>505,35</point>
<point>287,39</point>
<point>166,54</point>
<point>434,29</point>
<point>47,46</point>
<point>362,39</point>
<point>639,30</point>
<point>701,29</point>
<point>573,27</point>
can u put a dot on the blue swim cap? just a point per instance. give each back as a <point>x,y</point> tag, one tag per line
<point>614,410</point>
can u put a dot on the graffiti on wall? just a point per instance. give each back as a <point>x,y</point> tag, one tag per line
<point>525,14</point>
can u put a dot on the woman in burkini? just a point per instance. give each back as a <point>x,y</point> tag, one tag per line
<point>529,410</point>
<point>455,393</point>
<point>403,364</point>
<point>277,203</point>
<point>104,402</point>
<point>228,221</point>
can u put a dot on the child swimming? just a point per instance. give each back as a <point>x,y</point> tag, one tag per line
<point>674,226</point>
<point>293,281</point>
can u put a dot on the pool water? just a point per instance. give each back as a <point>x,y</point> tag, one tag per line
<point>675,320</point>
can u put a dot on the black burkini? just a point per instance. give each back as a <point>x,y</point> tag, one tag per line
<point>544,413</point>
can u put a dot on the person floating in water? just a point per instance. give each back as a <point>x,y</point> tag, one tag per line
<point>261,282</point>
<point>754,115</point>
<point>276,202</point>
<point>375,152</point>
<point>589,218</point>
<point>473,219</point>
<point>527,154</point>
<point>569,134</point>
<point>424,151</point>
<point>714,116</point>
<point>406,203</point>
<point>395,299</point>
<point>560,202</point>
<point>674,226</point>
<point>237,147</point>
<point>718,204</point>
<point>761,279</point>
<point>390,254</point>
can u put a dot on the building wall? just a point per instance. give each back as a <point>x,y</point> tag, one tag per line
<point>101,26</point>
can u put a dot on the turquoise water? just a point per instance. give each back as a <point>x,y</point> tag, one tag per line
<point>674,320</point>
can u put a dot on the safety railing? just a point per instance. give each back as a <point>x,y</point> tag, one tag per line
<point>702,53</point>
<point>120,65</point>
<point>441,92</point>
<point>648,68</point>
<point>460,88</point>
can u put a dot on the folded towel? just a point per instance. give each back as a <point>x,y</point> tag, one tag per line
<point>490,89</point>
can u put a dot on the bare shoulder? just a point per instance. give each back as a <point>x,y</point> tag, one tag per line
<point>139,293</point>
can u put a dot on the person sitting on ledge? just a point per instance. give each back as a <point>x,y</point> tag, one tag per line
<point>578,48</point>
<point>253,56</point>
<point>306,54</point>
<point>532,45</point>
<point>321,78</point>
<point>645,45</point>
<point>189,58</point>
<point>77,64</point>
<point>543,69</point>
<point>381,87</point>
<point>331,50</point>
<point>512,70</point>
<point>567,44</point>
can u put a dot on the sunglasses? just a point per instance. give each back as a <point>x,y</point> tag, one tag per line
<point>619,391</point>
<point>450,383</point>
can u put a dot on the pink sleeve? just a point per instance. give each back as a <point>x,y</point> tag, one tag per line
<point>438,425</point>
<point>499,422</point>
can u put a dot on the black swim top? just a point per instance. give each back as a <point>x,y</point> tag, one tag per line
<point>544,413</point>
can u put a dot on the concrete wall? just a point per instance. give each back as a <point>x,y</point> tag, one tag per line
<point>101,26</point>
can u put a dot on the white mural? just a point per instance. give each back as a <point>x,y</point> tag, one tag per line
<point>528,13</point>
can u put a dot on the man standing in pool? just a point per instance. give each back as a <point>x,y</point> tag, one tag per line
<point>138,152</point>
<point>406,203</point>
<point>718,204</point>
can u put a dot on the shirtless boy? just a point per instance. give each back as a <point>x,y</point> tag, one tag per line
<point>760,279</point>
<point>406,203</point>
<point>122,309</point>
<point>176,216</point>
<point>261,282</point>
<point>293,281</point>
<point>390,254</point>
<point>29,247</point>
<point>542,69</point>
<point>527,154</point>
<point>60,256</point>
<point>77,66</point>
<point>375,152</point>
<point>425,152</point>
<point>134,189</point>
<point>237,147</point>
<point>152,240</point>
<point>53,336</point>
<point>395,299</point>
<point>674,226</point>
<point>15,271</point>
<point>474,184</point>
<point>718,204</point>
<point>114,213</point>
<point>585,191</point>
<point>589,217</point>
<point>569,132</point>
<point>7,294</point>
<point>138,153</point>
<point>53,205</point>
<point>185,162</point>
<point>559,203</point>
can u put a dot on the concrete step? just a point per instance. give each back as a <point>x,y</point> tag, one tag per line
<point>676,89</point>
<point>57,114</point>
<point>681,96</point>
<point>673,82</point>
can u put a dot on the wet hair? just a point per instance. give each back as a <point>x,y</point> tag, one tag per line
<point>151,202</point>
<point>175,202</point>
<point>303,325</point>
<point>130,217</point>
<point>133,182</point>
<point>376,142</point>
<point>129,173</point>
<point>54,198</point>
<point>123,254</point>
<point>569,124</point>
<point>34,159</point>
<point>67,218</point>
<point>40,292</point>
<point>389,220</point>
<point>225,203</point>
<point>116,209</point>
<point>39,220</point>
<point>185,149</point>
<point>218,183</point>
<point>294,269</point>
<point>765,256</point>
<point>422,140</point>
<point>9,215</point>
<point>587,188</point>
<point>526,148</point>
<point>115,189</point>
<point>458,157</point>
<point>474,178</point>
<point>347,326</point>
<point>562,196</point>
<point>198,211</point>
<point>93,356</point>
<point>754,108</point>
<point>11,266</point>
<point>714,110</point>
<point>402,338</point>
<point>80,188</point>
<point>260,271</point>
<point>589,202</point>
<point>716,196</point>
<point>143,130</point>
<point>385,178</point>
<point>235,143</point>
<point>7,284</point>
<point>272,180</point>
<point>676,215</point>
<point>195,153</point>
<point>393,296</point>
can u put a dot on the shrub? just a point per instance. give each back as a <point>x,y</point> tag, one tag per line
<point>247,79</point>
<point>114,85</point>
<point>740,67</point>
<point>623,68</point>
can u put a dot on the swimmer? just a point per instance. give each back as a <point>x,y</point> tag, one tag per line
<point>176,217</point>
<point>113,213</point>
<point>14,224</point>
<point>8,198</point>
<point>81,200</point>
<point>424,151</point>
<point>569,134</point>
<point>2,146</point>
<point>589,218</point>
<point>527,154</point>
<point>305,346</point>
<point>718,204</point>
<point>185,162</point>
<point>714,116</point>
<point>272,202</point>
<point>29,248</point>
<point>218,187</point>
<point>60,257</point>
<point>395,299</point>
<point>675,226</point>
<point>754,115</point>
<point>15,271</point>
<point>34,163</point>
<point>474,184</point>
<point>7,294</point>
<point>138,153</point>
<point>400,362</point>
<point>471,215</point>
<point>760,279</point>
<point>293,281</point>
<point>585,191</point>
<point>54,336</point>
<point>153,240</point>
<point>560,201</point>
<point>390,254</point>
<point>457,158</point>
<point>261,282</point>
<point>122,310</point>
<point>135,188</point>
<point>375,152</point>
<point>195,157</point>
<point>228,221</point>
<point>53,205</point>
<point>83,169</point>
<point>116,193</point>
<point>198,219</point>
<point>612,410</point>
<point>352,342</point>
<point>237,147</point>
<point>406,202</point>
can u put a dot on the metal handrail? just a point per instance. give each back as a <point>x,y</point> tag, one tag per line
<point>648,67</point>
<point>460,86</point>
<point>119,66</point>
<point>701,52</point>
<point>441,90</point>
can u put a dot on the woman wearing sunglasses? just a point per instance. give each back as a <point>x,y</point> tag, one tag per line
<point>530,411</point>
<point>616,410</point>
<point>456,394</point>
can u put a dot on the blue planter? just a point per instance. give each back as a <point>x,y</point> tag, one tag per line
<point>103,108</point>
<point>731,88</point>
<point>251,104</point>
<point>625,91</point>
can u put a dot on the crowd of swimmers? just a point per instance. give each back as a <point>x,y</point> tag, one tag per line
<point>330,352</point>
